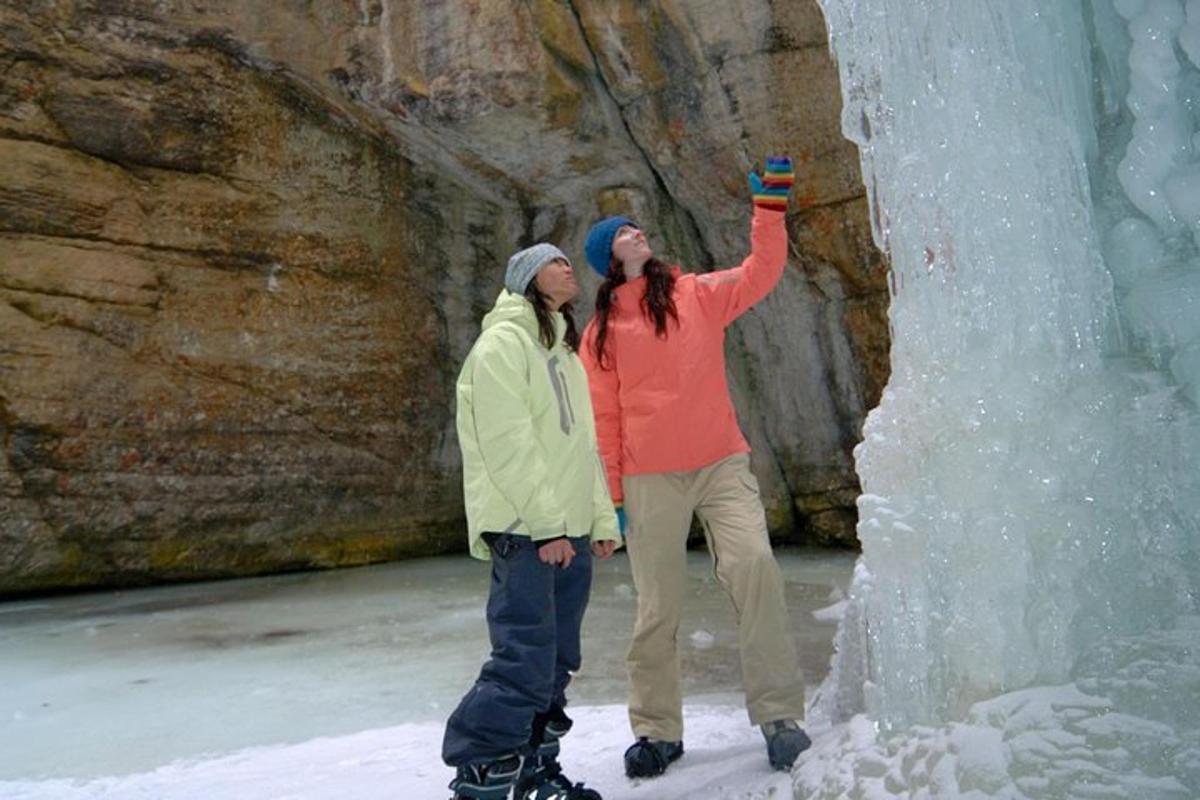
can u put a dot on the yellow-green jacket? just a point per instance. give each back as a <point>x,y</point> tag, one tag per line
<point>530,461</point>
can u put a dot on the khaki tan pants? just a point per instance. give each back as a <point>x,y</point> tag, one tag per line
<point>725,497</point>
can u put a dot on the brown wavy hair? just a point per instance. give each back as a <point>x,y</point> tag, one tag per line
<point>658,303</point>
<point>545,319</point>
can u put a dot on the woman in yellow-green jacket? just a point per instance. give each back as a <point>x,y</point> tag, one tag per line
<point>538,506</point>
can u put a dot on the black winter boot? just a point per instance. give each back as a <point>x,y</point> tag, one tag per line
<point>490,780</point>
<point>785,741</point>
<point>647,757</point>
<point>542,777</point>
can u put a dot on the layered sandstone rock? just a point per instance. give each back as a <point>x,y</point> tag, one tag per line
<point>244,247</point>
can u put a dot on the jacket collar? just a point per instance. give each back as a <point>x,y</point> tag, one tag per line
<point>517,309</point>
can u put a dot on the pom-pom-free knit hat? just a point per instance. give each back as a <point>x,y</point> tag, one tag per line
<point>524,265</point>
<point>598,245</point>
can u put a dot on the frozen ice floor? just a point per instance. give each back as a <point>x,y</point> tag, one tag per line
<point>113,683</point>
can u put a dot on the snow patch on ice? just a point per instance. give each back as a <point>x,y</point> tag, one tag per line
<point>724,760</point>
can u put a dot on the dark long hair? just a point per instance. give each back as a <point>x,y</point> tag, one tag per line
<point>545,319</point>
<point>657,304</point>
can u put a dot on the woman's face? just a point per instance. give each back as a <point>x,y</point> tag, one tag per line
<point>556,280</point>
<point>631,248</point>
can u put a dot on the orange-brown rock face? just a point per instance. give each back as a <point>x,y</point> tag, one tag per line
<point>245,246</point>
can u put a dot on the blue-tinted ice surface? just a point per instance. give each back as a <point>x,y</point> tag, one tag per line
<point>110,683</point>
<point>1023,621</point>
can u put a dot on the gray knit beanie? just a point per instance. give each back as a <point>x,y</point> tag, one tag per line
<point>524,265</point>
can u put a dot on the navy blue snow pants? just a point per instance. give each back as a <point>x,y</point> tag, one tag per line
<point>534,614</point>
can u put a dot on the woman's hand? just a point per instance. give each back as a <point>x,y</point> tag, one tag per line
<point>603,549</point>
<point>557,551</point>
<point>772,189</point>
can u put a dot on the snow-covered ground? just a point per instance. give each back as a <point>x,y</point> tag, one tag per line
<point>724,759</point>
<point>336,684</point>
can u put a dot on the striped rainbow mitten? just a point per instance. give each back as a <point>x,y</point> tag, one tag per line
<point>772,189</point>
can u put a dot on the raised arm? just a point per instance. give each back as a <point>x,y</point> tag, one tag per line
<point>727,294</point>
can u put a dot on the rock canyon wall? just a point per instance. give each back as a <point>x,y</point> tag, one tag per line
<point>245,246</point>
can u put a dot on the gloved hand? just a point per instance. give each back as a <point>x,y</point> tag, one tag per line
<point>772,189</point>
<point>621,519</point>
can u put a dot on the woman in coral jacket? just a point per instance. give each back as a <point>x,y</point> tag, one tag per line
<point>538,506</point>
<point>655,357</point>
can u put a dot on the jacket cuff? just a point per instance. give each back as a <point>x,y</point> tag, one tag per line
<point>770,214</point>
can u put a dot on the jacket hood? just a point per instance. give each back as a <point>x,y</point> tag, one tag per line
<point>518,310</point>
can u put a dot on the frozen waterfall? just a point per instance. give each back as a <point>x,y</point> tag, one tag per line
<point>1024,618</point>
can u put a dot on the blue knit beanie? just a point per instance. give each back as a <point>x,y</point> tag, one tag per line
<point>598,245</point>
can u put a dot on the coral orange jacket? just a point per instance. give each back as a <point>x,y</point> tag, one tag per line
<point>662,404</point>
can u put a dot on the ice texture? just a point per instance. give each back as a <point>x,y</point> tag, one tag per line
<point>1031,506</point>
<point>106,684</point>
